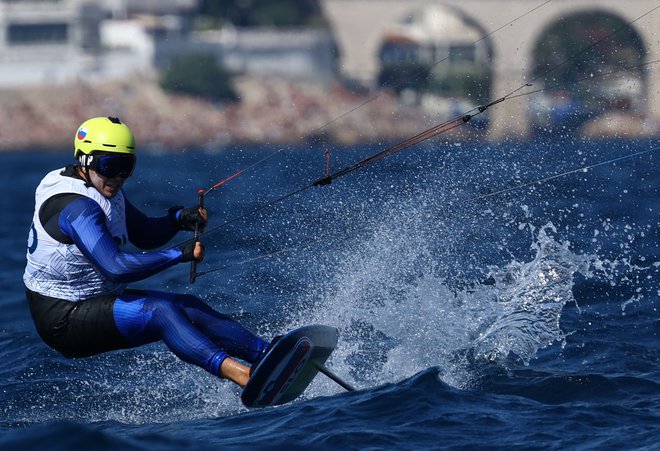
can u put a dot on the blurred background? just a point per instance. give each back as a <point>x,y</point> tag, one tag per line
<point>202,73</point>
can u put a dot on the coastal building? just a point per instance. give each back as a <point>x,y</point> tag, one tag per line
<point>434,56</point>
<point>295,53</point>
<point>513,31</point>
<point>433,35</point>
<point>43,42</point>
<point>57,41</point>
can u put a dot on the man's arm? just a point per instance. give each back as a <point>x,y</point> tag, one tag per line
<point>149,233</point>
<point>84,222</point>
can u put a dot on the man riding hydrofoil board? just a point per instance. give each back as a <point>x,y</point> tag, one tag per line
<point>77,273</point>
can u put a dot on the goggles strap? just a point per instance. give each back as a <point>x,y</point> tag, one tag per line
<point>85,160</point>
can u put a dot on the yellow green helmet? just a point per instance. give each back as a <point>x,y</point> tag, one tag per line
<point>103,134</point>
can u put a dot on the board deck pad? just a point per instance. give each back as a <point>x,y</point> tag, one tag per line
<point>290,366</point>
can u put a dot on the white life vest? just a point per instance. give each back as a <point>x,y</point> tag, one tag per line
<point>60,270</point>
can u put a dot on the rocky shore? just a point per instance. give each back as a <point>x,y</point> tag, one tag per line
<point>271,111</point>
<point>274,111</point>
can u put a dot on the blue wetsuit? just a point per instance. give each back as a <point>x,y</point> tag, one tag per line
<point>191,329</point>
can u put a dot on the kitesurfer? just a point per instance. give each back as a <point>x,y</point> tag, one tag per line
<point>78,269</point>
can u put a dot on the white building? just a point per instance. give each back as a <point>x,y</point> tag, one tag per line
<point>435,35</point>
<point>295,53</point>
<point>57,41</point>
<point>44,41</point>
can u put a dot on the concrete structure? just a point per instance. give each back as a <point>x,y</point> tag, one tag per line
<point>45,41</point>
<point>57,41</point>
<point>293,53</point>
<point>360,26</point>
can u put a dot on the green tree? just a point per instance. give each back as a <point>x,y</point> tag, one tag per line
<point>583,46</point>
<point>198,75</point>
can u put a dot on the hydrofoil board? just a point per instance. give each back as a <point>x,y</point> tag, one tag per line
<point>290,366</point>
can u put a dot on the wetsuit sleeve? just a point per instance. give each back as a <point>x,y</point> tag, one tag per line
<point>145,232</point>
<point>83,221</point>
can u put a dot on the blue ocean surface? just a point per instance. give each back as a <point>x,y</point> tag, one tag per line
<point>487,296</point>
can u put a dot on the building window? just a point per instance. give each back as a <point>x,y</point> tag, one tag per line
<point>398,53</point>
<point>460,53</point>
<point>51,33</point>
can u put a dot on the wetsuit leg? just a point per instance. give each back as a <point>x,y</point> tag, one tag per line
<point>231,336</point>
<point>191,329</point>
<point>76,329</point>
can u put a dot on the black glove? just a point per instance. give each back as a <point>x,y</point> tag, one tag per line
<point>187,218</point>
<point>188,251</point>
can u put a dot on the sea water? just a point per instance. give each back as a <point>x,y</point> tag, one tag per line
<point>481,301</point>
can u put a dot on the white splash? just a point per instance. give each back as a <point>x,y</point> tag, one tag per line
<point>399,316</point>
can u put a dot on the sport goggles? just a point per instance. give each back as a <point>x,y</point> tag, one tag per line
<point>112,166</point>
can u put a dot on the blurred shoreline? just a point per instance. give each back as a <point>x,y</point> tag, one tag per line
<point>272,111</point>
